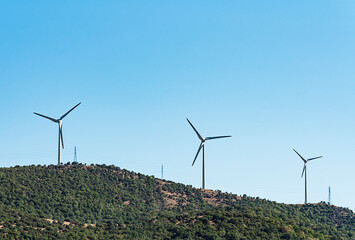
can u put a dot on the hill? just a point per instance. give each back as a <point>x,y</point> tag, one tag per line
<point>106,202</point>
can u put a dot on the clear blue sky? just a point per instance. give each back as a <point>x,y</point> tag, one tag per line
<point>276,75</point>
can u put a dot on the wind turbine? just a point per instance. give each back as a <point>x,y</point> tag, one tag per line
<point>304,171</point>
<point>202,145</point>
<point>59,121</point>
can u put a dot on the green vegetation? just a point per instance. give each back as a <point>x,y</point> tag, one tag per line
<point>106,202</point>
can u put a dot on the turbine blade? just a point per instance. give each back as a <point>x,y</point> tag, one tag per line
<point>304,169</point>
<point>304,160</point>
<point>69,111</point>
<point>210,138</point>
<point>314,158</point>
<point>52,119</point>
<point>61,136</point>
<point>198,151</point>
<point>199,136</point>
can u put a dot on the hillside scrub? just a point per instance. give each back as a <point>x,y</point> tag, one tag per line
<point>106,202</point>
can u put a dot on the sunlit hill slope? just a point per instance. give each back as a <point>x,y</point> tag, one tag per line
<point>106,202</point>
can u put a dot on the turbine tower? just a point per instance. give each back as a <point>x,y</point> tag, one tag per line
<point>202,145</point>
<point>60,137</point>
<point>304,171</point>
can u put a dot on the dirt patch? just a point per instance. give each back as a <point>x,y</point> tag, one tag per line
<point>89,225</point>
<point>210,197</point>
<point>42,229</point>
<point>171,199</point>
<point>50,220</point>
<point>161,182</point>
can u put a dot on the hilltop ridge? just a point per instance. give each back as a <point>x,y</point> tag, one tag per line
<point>99,201</point>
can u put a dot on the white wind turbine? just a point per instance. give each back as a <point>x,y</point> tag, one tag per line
<point>202,145</point>
<point>304,171</point>
<point>59,121</point>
